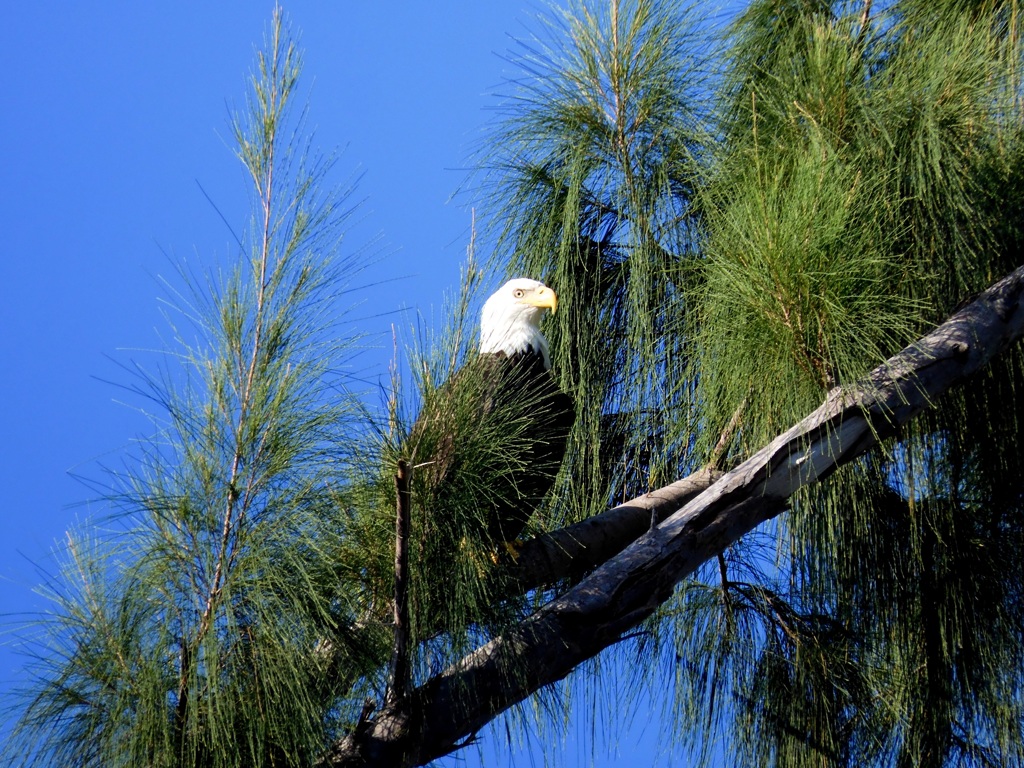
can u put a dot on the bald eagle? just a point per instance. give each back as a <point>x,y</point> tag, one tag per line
<point>489,441</point>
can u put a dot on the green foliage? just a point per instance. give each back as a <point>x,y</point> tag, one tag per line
<point>863,181</point>
<point>598,153</point>
<point>865,187</point>
<point>797,266</point>
<point>190,637</point>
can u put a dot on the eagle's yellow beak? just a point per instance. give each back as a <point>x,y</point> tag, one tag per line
<point>542,297</point>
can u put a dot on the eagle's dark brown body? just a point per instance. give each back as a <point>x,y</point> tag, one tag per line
<point>489,444</point>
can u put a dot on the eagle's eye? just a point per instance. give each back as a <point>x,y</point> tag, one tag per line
<point>519,293</point>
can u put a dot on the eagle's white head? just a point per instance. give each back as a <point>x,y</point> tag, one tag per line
<point>510,321</point>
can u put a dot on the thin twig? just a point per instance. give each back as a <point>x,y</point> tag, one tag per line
<point>399,681</point>
<point>865,17</point>
<point>723,439</point>
<point>265,187</point>
<point>726,598</point>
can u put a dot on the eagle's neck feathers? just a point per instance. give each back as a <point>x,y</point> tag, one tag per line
<point>520,336</point>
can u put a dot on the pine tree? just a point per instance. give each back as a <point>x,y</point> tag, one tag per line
<point>190,636</point>
<point>776,260</point>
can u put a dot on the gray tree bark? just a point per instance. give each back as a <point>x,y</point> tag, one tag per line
<point>576,549</point>
<point>442,714</point>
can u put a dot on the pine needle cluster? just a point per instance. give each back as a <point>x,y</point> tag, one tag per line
<point>599,150</point>
<point>188,633</point>
<point>857,179</point>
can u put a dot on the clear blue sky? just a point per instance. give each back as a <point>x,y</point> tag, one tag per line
<point>112,112</point>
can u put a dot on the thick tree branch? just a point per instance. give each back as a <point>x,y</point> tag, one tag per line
<point>572,551</point>
<point>432,719</point>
